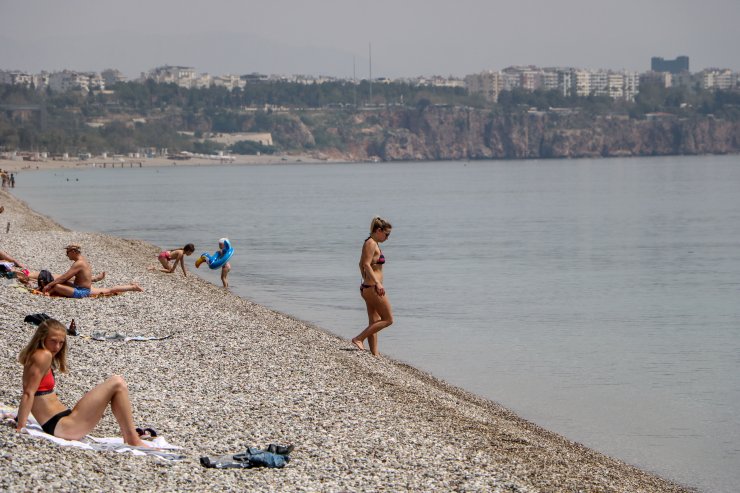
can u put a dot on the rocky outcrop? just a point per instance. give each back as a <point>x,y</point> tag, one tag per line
<point>446,133</point>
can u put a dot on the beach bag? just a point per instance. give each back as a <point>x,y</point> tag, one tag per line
<point>36,318</point>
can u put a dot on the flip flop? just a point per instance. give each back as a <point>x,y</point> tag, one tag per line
<point>146,432</point>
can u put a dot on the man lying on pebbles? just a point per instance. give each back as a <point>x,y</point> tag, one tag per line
<point>81,286</point>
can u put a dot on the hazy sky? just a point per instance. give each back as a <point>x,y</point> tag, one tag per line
<point>408,37</point>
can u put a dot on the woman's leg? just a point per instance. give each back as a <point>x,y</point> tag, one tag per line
<point>62,290</point>
<point>89,410</point>
<point>116,289</point>
<point>382,307</point>
<point>372,317</point>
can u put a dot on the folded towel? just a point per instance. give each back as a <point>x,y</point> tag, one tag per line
<point>103,336</point>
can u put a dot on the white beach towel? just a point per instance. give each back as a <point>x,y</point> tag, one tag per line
<point>159,446</point>
<point>103,336</point>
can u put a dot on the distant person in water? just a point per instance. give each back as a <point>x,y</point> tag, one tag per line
<point>177,256</point>
<point>379,311</point>
<point>47,351</point>
<point>81,276</point>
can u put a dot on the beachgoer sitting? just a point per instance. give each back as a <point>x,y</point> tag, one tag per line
<point>44,277</point>
<point>47,351</point>
<point>81,286</point>
<point>177,256</point>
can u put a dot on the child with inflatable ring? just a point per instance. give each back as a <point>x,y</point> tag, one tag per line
<point>219,259</point>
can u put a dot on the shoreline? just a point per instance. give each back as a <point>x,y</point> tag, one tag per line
<point>18,165</point>
<point>237,373</point>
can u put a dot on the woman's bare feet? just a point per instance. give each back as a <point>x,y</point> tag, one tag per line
<point>358,343</point>
<point>138,442</point>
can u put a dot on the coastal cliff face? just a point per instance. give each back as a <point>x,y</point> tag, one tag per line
<point>444,133</point>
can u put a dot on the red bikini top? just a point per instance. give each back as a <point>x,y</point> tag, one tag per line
<point>46,386</point>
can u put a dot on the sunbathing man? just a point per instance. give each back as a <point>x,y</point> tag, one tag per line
<point>81,272</point>
<point>44,277</point>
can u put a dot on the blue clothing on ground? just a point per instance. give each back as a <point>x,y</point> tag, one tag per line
<point>253,457</point>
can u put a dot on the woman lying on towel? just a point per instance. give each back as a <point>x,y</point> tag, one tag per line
<point>47,351</point>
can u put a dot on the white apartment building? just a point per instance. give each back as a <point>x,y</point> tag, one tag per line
<point>663,79</point>
<point>182,76</point>
<point>67,80</point>
<point>631,85</point>
<point>565,82</point>
<point>229,81</point>
<point>722,79</point>
<point>615,85</point>
<point>16,77</point>
<point>510,80</point>
<point>550,80</point>
<point>489,84</point>
<point>581,80</point>
<point>435,81</point>
<point>599,82</point>
<point>41,80</point>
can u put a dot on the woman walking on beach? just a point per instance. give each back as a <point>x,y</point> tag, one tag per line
<point>379,311</point>
<point>177,256</point>
<point>47,351</point>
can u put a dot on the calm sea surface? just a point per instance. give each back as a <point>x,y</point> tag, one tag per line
<point>597,298</point>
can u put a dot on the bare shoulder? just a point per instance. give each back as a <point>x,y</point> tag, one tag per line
<point>41,358</point>
<point>370,245</point>
<point>81,263</point>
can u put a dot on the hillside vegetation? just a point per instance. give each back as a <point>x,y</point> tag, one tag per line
<point>338,120</point>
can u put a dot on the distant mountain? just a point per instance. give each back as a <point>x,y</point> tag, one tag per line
<point>214,52</point>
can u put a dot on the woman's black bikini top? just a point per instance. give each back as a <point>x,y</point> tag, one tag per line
<point>381,259</point>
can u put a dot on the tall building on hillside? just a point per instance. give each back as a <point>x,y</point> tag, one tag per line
<point>489,84</point>
<point>680,64</point>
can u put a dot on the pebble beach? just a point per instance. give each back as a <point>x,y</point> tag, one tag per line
<point>235,374</point>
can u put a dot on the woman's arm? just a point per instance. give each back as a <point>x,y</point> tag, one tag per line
<point>175,256</point>
<point>7,258</point>
<point>33,372</point>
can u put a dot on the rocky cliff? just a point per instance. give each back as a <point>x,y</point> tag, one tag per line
<point>445,133</point>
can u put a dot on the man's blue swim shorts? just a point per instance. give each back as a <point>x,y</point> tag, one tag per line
<point>81,292</point>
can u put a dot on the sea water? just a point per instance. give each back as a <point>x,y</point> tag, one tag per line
<point>597,298</point>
